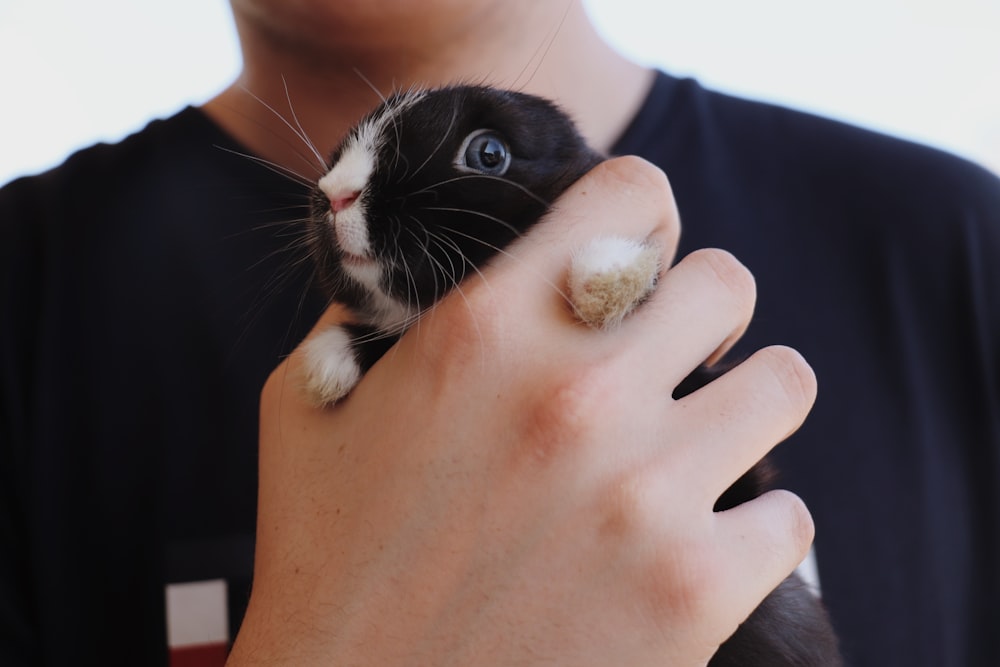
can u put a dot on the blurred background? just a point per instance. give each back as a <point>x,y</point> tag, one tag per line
<point>72,72</point>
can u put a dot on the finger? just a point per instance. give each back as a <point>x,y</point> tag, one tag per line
<point>624,196</point>
<point>743,414</point>
<point>763,541</point>
<point>701,306</point>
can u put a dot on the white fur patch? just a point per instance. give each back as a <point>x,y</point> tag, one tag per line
<point>389,314</point>
<point>367,273</point>
<point>351,229</point>
<point>353,169</point>
<point>356,162</point>
<point>348,178</point>
<point>808,570</point>
<point>330,369</point>
<point>607,253</point>
<point>610,276</point>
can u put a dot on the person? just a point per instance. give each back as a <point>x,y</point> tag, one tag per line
<point>555,507</point>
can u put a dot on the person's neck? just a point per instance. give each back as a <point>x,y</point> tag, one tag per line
<point>283,93</point>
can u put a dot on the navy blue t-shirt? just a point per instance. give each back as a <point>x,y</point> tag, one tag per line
<point>148,288</point>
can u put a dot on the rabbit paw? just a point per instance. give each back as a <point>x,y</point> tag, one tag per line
<point>609,277</point>
<point>331,369</point>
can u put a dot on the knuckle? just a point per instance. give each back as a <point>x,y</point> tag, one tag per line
<point>794,377</point>
<point>728,271</point>
<point>675,569</point>
<point>633,170</point>
<point>571,404</point>
<point>684,583</point>
<point>795,518</point>
<point>643,181</point>
<point>566,412</point>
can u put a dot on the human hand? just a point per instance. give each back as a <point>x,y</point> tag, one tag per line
<point>508,486</point>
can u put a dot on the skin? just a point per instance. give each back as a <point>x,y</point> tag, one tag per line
<point>537,496</point>
<point>332,54</point>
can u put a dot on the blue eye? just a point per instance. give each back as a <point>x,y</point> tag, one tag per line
<point>484,151</point>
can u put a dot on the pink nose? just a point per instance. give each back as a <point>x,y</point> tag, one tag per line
<point>338,204</point>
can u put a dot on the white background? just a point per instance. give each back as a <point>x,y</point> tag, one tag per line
<point>73,72</point>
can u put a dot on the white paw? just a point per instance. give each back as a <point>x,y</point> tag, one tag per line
<point>330,369</point>
<point>610,276</point>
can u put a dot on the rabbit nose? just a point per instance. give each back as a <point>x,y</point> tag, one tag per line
<point>339,203</point>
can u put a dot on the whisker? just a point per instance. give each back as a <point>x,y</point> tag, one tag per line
<point>286,227</point>
<point>371,85</point>
<point>279,169</point>
<point>379,334</point>
<point>498,179</point>
<point>423,244</point>
<point>480,214</point>
<point>300,131</point>
<point>455,276</point>
<point>458,250</point>
<point>412,295</point>
<point>450,277</point>
<point>299,269</point>
<point>457,286</point>
<point>506,253</point>
<point>444,137</point>
<point>542,50</point>
<point>301,137</point>
<point>398,134</point>
<point>297,244</point>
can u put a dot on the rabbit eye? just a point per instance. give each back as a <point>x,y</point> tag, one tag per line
<point>484,151</point>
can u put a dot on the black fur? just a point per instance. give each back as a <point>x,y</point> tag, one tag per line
<point>415,179</point>
<point>432,224</point>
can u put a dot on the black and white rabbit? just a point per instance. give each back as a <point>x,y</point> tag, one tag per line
<point>422,191</point>
<point>428,187</point>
